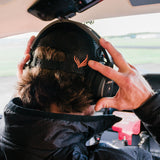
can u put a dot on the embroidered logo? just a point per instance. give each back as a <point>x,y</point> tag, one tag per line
<point>81,64</point>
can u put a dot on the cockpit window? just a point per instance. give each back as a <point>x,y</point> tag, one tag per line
<point>11,52</point>
<point>136,37</point>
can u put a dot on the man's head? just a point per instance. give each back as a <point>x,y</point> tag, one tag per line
<point>58,72</point>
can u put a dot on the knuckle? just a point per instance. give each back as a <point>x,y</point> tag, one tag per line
<point>128,80</point>
<point>107,43</point>
<point>108,70</point>
<point>119,56</point>
<point>133,72</point>
<point>18,65</point>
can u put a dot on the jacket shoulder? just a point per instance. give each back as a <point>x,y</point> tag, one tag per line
<point>149,113</point>
<point>105,151</point>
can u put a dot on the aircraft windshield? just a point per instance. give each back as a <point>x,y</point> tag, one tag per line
<point>136,37</point>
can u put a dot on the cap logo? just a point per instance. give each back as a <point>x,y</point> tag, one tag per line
<point>81,64</point>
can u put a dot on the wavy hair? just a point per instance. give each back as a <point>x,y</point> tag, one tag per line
<point>39,88</point>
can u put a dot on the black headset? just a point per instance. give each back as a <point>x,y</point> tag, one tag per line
<point>101,86</point>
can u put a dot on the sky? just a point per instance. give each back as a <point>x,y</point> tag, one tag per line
<point>128,24</point>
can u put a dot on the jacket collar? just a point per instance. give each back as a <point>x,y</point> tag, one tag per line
<point>50,130</point>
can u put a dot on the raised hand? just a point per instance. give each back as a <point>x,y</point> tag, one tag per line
<point>133,91</point>
<point>25,59</point>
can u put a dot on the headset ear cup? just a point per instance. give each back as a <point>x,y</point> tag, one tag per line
<point>107,88</point>
<point>101,86</point>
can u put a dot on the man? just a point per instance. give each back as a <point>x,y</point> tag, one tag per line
<point>51,116</point>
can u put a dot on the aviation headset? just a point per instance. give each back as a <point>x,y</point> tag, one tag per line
<point>101,86</point>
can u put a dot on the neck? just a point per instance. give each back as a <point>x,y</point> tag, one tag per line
<point>88,111</point>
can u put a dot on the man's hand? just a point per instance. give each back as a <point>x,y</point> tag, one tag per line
<point>133,91</point>
<point>26,58</point>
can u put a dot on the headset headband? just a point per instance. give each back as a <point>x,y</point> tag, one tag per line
<point>49,28</point>
<point>88,30</point>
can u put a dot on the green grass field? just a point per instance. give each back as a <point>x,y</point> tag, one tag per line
<point>141,56</point>
<point>10,55</point>
<point>9,58</point>
<point>134,41</point>
<point>136,55</point>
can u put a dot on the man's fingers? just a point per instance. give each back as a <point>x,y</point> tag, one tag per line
<point>29,45</point>
<point>105,103</point>
<point>116,56</point>
<point>21,65</point>
<point>106,71</point>
<point>26,58</point>
<point>24,61</point>
<point>131,66</point>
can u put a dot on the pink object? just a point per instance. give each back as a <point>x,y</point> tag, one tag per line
<point>129,125</point>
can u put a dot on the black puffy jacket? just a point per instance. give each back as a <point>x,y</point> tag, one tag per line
<point>149,113</point>
<point>34,135</point>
